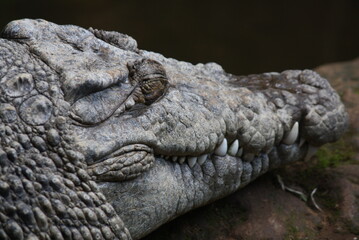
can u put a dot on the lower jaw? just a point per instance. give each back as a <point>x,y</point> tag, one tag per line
<point>170,189</point>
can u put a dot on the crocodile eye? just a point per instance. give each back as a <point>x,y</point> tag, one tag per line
<point>150,76</point>
<point>153,89</point>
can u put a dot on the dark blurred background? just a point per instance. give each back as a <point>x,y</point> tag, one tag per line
<point>243,36</point>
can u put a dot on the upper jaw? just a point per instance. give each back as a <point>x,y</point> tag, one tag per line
<point>189,126</point>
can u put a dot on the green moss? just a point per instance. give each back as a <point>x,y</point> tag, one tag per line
<point>353,225</point>
<point>334,154</point>
<point>356,91</point>
<point>354,229</point>
<point>294,232</point>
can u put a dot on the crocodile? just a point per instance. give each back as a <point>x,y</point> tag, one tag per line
<point>103,140</point>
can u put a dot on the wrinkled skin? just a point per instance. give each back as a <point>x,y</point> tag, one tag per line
<point>102,140</point>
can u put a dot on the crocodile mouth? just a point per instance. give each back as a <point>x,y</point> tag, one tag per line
<point>178,182</point>
<point>291,148</point>
<point>233,148</point>
<point>132,160</point>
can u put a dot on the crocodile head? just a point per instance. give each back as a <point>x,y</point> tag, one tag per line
<point>159,136</point>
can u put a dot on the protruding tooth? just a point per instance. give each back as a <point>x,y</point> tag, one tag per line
<point>248,157</point>
<point>202,159</point>
<point>221,150</point>
<point>310,153</point>
<point>292,135</point>
<point>233,149</point>
<point>240,152</point>
<point>302,141</point>
<point>167,157</point>
<point>192,161</point>
<point>182,160</point>
<point>174,158</point>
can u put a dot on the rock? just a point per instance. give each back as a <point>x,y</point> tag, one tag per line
<point>348,185</point>
<point>344,77</point>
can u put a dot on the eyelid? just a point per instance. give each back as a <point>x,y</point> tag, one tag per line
<point>99,106</point>
<point>77,85</point>
<point>153,77</point>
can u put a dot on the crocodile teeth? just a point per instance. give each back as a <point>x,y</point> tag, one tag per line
<point>192,161</point>
<point>202,159</point>
<point>292,135</point>
<point>233,149</point>
<point>302,141</point>
<point>240,152</point>
<point>310,153</point>
<point>221,150</point>
<point>174,158</point>
<point>182,160</point>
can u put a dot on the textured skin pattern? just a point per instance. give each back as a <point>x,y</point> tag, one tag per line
<point>101,140</point>
<point>45,190</point>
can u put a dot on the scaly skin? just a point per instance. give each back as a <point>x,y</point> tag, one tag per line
<point>102,140</point>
